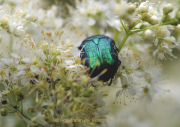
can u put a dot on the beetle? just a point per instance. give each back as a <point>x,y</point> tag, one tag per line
<point>100,52</point>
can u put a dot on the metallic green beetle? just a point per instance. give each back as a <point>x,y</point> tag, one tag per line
<point>100,52</point>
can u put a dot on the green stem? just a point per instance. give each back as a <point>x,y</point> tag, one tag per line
<point>151,27</point>
<point>116,34</point>
<point>11,44</point>
<point>123,26</point>
<point>29,118</point>
<point>21,106</point>
<point>123,41</point>
<point>55,100</point>
<point>128,33</point>
<point>75,124</point>
<point>9,99</point>
<point>13,110</point>
<point>61,123</point>
<point>17,110</point>
<point>53,84</point>
<point>164,16</point>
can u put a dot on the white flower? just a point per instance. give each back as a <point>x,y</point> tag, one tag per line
<point>150,89</point>
<point>150,84</point>
<point>164,42</point>
<point>143,7</point>
<point>127,89</point>
<point>10,68</point>
<point>162,32</point>
<point>164,51</point>
<point>130,64</point>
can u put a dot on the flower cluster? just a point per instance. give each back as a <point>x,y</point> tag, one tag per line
<point>44,66</point>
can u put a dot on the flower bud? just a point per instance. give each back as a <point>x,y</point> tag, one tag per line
<point>148,35</point>
<point>62,66</point>
<point>154,20</point>
<point>20,96</point>
<point>55,60</point>
<point>15,88</point>
<point>90,105</point>
<point>70,80</point>
<point>6,92</point>
<point>48,119</point>
<point>58,102</point>
<point>84,79</point>
<point>51,105</point>
<point>18,93</point>
<point>144,25</point>
<point>131,8</point>
<point>44,96</point>
<point>132,24</point>
<point>143,7</point>
<point>74,108</point>
<point>175,23</point>
<point>35,61</point>
<point>67,88</point>
<point>167,9</point>
<point>178,15</point>
<point>58,111</point>
<point>42,85</point>
<point>31,110</point>
<point>4,22</point>
<point>4,112</point>
<point>145,16</point>
<point>89,91</point>
<point>19,31</point>
<point>177,28</point>
<point>92,124</point>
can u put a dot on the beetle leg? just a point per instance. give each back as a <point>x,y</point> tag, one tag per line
<point>104,31</point>
<point>93,85</point>
<point>110,82</point>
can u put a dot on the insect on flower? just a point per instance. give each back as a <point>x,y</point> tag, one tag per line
<point>100,53</point>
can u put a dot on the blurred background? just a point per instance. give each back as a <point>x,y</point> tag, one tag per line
<point>163,111</point>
